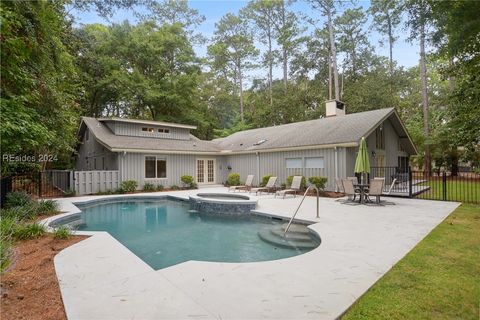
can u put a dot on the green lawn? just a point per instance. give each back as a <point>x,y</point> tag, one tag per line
<point>438,279</point>
<point>458,190</point>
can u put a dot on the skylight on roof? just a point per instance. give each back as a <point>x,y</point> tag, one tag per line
<point>259,142</point>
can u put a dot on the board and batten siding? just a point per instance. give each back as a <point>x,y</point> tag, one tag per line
<point>91,153</point>
<point>132,167</point>
<point>274,163</point>
<point>135,130</point>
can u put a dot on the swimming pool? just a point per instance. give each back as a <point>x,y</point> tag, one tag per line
<point>166,232</point>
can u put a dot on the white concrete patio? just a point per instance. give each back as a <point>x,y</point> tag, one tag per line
<point>101,279</point>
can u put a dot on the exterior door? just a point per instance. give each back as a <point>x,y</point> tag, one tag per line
<point>205,171</point>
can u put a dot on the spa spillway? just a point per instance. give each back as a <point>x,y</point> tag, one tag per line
<point>222,203</point>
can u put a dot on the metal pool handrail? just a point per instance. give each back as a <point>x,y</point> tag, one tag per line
<point>298,208</point>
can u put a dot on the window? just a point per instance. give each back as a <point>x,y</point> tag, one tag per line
<point>145,129</point>
<point>162,130</point>
<point>87,134</point>
<point>293,163</point>
<point>400,146</point>
<point>94,163</point>
<point>314,162</point>
<point>380,138</point>
<point>155,167</point>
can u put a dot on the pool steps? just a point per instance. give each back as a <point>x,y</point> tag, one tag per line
<point>298,236</point>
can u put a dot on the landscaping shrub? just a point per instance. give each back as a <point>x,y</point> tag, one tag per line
<point>175,187</point>
<point>160,187</point>
<point>318,182</point>
<point>233,179</point>
<point>149,187</point>
<point>303,184</point>
<point>188,181</point>
<point>265,180</point>
<point>26,212</point>
<point>106,192</point>
<point>5,253</point>
<point>62,232</point>
<point>17,199</point>
<point>47,207</point>
<point>28,231</point>
<point>129,186</point>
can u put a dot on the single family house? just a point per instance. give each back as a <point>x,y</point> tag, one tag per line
<point>160,152</point>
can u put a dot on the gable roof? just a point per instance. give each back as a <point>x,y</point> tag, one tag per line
<point>342,131</point>
<point>145,144</point>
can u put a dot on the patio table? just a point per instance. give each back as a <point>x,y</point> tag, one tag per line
<point>362,187</point>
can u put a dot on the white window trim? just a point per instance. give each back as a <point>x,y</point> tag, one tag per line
<point>295,158</point>
<point>156,159</point>
<point>319,157</point>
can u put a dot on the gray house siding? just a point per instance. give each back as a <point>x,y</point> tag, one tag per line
<point>275,163</point>
<point>391,151</point>
<point>132,167</point>
<point>135,130</point>
<point>94,156</point>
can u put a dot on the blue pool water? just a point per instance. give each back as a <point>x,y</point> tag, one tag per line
<point>164,232</point>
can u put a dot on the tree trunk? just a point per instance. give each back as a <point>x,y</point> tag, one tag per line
<point>390,46</point>
<point>240,80</point>
<point>333,52</point>
<point>285,53</point>
<point>270,67</point>
<point>285,69</point>
<point>329,76</point>
<point>423,75</point>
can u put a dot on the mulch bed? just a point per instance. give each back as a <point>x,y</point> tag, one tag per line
<point>29,288</point>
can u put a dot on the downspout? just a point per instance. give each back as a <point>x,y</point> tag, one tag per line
<point>336,167</point>
<point>258,167</point>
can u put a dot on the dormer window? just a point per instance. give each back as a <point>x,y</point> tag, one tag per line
<point>150,130</point>
<point>162,130</point>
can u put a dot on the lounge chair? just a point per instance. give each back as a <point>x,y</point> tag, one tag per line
<point>294,188</point>
<point>247,186</point>
<point>349,189</point>
<point>375,189</point>
<point>269,187</point>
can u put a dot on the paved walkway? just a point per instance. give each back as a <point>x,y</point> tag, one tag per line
<point>101,279</point>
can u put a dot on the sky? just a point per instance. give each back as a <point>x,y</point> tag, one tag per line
<point>405,53</point>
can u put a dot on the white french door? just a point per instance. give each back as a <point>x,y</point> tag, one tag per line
<point>205,171</point>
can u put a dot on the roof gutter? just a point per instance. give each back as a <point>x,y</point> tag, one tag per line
<point>226,152</point>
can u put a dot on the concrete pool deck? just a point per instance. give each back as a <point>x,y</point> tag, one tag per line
<point>101,279</point>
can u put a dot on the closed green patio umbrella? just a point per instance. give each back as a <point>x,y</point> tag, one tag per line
<point>362,164</point>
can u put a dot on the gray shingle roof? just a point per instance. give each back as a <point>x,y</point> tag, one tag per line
<point>347,129</point>
<point>332,130</point>
<point>105,136</point>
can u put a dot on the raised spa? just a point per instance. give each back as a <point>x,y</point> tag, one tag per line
<point>222,203</point>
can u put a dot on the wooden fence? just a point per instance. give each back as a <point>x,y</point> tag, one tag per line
<point>91,182</point>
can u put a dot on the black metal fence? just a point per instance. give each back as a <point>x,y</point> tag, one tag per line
<point>438,185</point>
<point>44,184</point>
<point>463,187</point>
